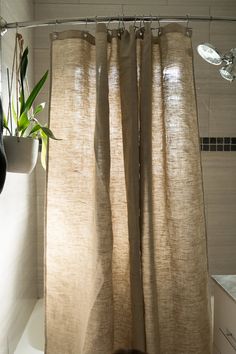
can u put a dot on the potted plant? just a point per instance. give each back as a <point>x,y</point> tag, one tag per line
<point>22,142</point>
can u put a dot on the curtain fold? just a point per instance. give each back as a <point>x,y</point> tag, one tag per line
<point>130,127</point>
<point>151,199</point>
<point>126,262</point>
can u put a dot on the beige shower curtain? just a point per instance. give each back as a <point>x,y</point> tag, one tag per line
<point>126,262</point>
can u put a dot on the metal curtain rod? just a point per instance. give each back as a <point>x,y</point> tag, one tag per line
<point>4,26</point>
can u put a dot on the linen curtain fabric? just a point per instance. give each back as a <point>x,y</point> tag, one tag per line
<point>126,262</point>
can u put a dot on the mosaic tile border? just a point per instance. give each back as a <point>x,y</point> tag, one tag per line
<point>218,144</point>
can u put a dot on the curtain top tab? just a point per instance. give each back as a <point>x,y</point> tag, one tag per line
<point>176,27</point>
<point>101,27</point>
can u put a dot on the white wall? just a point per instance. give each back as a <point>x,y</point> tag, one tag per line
<point>18,233</point>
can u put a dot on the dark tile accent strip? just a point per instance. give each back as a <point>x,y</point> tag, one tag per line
<point>218,143</point>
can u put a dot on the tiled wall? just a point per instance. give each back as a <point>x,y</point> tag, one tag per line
<point>215,96</point>
<point>18,234</point>
<point>219,170</point>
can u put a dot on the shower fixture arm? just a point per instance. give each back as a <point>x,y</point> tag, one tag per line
<point>229,57</point>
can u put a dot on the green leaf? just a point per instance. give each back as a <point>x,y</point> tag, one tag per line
<point>39,108</point>
<point>23,122</point>
<point>5,124</point>
<point>24,64</point>
<point>49,133</point>
<point>45,134</point>
<point>35,129</point>
<point>35,91</point>
<point>44,151</point>
<point>22,101</point>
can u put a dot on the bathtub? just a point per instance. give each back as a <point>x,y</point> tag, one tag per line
<point>32,340</point>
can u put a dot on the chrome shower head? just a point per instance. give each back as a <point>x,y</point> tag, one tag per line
<point>211,54</point>
<point>228,72</point>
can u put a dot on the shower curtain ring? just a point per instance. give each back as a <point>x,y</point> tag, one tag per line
<point>55,35</point>
<point>187,17</point>
<point>140,23</point>
<point>152,28</point>
<point>17,29</point>
<point>123,23</point>
<point>144,16</point>
<point>188,30</point>
<point>86,28</point>
<point>150,15</point>
<point>119,32</point>
<point>135,19</point>
<point>3,24</point>
<point>108,24</point>
<point>159,25</point>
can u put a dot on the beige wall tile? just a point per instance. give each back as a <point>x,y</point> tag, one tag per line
<point>222,115</point>
<point>95,2</point>
<point>221,262</point>
<point>223,9</point>
<point>222,35</point>
<point>155,9</point>
<point>220,3</point>
<point>200,32</point>
<point>219,171</point>
<point>222,197</point>
<point>215,85</point>
<point>13,10</point>
<point>135,2</point>
<point>46,11</point>
<point>203,103</point>
<point>57,1</point>
<point>194,3</point>
<point>203,71</point>
<point>223,228</point>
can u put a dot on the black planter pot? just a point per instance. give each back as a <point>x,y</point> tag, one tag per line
<point>3,162</point>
